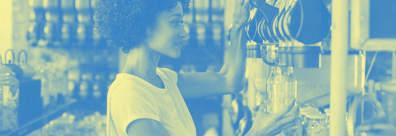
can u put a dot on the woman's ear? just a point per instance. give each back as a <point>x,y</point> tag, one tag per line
<point>148,35</point>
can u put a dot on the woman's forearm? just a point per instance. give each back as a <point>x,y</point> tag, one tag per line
<point>234,59</point>
<point>233,69</point>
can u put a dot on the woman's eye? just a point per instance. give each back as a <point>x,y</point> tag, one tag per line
<point>181,22</point>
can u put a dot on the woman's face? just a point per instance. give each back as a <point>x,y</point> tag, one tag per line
<point>169,36</point>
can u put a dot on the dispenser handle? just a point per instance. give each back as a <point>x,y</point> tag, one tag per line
<point>264,53</point>
<point>23,57</point>
<point>6,55</point>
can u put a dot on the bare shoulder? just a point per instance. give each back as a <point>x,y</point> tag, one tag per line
<point>146,127</point>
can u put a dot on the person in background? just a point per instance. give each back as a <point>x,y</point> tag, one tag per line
<point>146,100</point>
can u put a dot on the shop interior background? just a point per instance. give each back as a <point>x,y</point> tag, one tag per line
<point>67,67</point>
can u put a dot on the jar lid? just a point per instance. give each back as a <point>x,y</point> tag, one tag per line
<point>300,49</point>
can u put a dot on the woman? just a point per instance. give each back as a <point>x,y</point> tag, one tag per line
<point>145,100</point>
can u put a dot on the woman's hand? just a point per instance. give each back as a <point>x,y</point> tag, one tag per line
<point>230,79</point>
<point>271,124</point>
<point>241,13</point>
<point>7,77</point>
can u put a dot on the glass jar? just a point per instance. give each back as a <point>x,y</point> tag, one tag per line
<point>281,89</point>
<point>314,121</point>
<point>9,99</point>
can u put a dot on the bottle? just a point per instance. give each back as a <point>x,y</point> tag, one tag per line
<point>10,95</point>
<point>281,89</point>
<point>69,26</point>
<point>98,89</point>
<point>85,21</point>
<point>36,22</point>
<point>85,86</point>
<point>97,38</point>
<point>52,29</point>
<point>281,93</point>
<point>9,88</point>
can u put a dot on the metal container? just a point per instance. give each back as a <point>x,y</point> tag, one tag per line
<point>299,56</point>
<point>292,56</point>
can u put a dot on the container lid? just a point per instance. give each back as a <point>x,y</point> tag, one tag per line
<point>300,49</point>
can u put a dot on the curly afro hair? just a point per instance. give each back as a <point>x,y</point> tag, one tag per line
<point>123,23</point>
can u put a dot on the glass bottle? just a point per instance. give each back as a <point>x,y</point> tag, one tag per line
<point>281,89</point>
<point>52,29</point>
<point>36,22</point>
<point>85,21</point>
<point>9,98</point>
<point>69,18</point>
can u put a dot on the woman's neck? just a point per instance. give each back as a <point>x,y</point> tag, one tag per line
<point>141,62</point>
